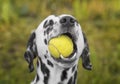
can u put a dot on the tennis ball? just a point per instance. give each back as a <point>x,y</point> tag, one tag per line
<point>61,45</point>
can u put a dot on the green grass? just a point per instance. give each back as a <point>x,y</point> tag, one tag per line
<point>98,19</point>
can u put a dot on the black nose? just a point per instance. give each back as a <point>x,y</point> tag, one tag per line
<point>67,21</point>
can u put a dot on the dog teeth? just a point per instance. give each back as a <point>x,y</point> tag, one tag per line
<point>62,57</point>
<point>73,56</point>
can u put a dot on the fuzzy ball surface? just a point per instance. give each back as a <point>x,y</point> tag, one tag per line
<point>61,45</point>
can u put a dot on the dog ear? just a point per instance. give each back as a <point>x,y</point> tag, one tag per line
<point>31,51</point>
<point>86,55</point>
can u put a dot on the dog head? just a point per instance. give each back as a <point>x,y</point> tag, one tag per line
<point>54,26</point>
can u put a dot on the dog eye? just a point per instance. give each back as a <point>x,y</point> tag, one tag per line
<point>51,22</point>
<point>48,23</point>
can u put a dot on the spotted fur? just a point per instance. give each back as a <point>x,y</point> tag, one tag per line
<point>49,69</point>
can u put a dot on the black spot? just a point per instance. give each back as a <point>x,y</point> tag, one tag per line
<point>70,81</point>
<point>45,24</point>
<point>73,68</point>
<point>31,67</point>
<point>37,78</point>
<point>45,71</point>
<point>31,39</point>
<point>33,50</point>
<point>46,51</point>
<point>51,22</point>
<point>75,76</point>
<point>49,29</point>
<point>36,52</point>
<point>64,75</point>
<point>50,63</point>
<point>37,63</point>
<point>45,56</point>
<point>44,33</point>
<point>45,41</point>
<point>29,58</point>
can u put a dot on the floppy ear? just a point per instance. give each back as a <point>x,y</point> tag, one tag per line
<point>31,51</point>
<point>85,55</point>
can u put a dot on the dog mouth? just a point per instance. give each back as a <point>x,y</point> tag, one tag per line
<point>72,57</point>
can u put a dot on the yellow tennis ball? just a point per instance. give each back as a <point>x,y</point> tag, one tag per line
<point>61,45</point>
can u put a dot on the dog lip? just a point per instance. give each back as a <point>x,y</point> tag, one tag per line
<point>63,60</point>
<point>69,58</point>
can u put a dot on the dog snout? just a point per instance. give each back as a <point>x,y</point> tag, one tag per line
<point>67,21</point>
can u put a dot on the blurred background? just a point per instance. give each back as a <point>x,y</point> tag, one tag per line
<point>99,19</point>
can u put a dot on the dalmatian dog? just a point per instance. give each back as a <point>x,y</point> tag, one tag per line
<point>61,70</point>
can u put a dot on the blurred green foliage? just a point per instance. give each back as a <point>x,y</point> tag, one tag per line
<point>100,20</point>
